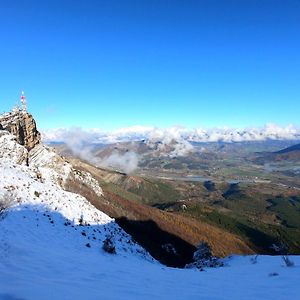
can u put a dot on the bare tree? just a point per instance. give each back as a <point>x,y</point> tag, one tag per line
<point>6,201</point>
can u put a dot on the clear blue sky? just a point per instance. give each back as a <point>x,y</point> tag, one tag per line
<point>110,64</point>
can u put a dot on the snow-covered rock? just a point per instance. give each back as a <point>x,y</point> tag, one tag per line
<point>23,126</point>
<point>38,187</point>
<point>88,179</point>
<point>11,150</point>
<point>50,166</point>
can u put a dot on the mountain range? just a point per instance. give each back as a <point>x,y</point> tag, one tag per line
<point>71,230</point>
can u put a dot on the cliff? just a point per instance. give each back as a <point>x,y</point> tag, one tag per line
<point>23,127</point>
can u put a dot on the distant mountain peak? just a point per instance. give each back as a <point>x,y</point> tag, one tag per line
<point>289,149</point>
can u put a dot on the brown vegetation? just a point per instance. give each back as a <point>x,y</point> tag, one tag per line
<point>153,228</point>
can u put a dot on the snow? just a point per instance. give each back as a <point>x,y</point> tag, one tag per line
<point>11,150</point>
<point>51,261</point>
<point>88,179</point>
<point>26,186</point>
<point>51,248</point>
<point>49,164</point>
<point>9,118</point>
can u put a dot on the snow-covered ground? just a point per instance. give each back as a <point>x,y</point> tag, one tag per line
<point>51,248</point>
<point>41,260</point>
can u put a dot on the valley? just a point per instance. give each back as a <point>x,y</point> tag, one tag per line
<point>150,150</point>
<point>238,188</point>
<point>77,221</point>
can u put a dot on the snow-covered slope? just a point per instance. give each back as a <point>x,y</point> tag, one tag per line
<point>51,246</point>
<point>38,187</point>
<point>40,260</point>
<point>11,150</point>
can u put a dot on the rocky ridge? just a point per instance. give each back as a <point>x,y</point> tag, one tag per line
<point>23,127</point>
<point>33,182</point>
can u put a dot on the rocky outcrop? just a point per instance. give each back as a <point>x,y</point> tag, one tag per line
<point>10,149</point>
<point>23,127</point>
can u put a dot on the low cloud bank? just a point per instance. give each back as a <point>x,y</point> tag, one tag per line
<point>179,134</point>
<point>81,143</point>
<point>173,141</point>
<point>169,141</point>
<point>126,162</point>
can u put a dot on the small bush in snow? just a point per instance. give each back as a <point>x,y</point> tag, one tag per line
<point>37,194</point>
<point>254,259</point>
<point>282,249</point>
<point>6,201</point>
<point>109,246</point>
<point>288,262</point>
<point>80,221</point>
<point>203,258</point>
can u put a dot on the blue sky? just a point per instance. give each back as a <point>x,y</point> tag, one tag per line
<point>113,64</point>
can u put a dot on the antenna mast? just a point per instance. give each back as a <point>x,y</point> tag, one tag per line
<point>24,103</point>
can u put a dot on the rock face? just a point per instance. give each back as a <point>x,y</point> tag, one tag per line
<point>23,127</point>
<point>10,149</point>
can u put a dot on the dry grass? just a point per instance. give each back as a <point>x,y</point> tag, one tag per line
<point>184,229</point>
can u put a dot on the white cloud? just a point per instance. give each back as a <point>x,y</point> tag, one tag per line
<point>167,136</point>
<point>81,144</point>
<point>126,162</point>
<point>171,140</point>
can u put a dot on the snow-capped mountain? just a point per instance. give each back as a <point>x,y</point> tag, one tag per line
<point>51,244</point>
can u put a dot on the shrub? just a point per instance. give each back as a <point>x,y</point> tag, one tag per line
<point>254,259</point>
<point>37,194</point>
<point>6,201</point>
<point>203,258</point>
<point>282,249</point>
<point>108,245</point>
